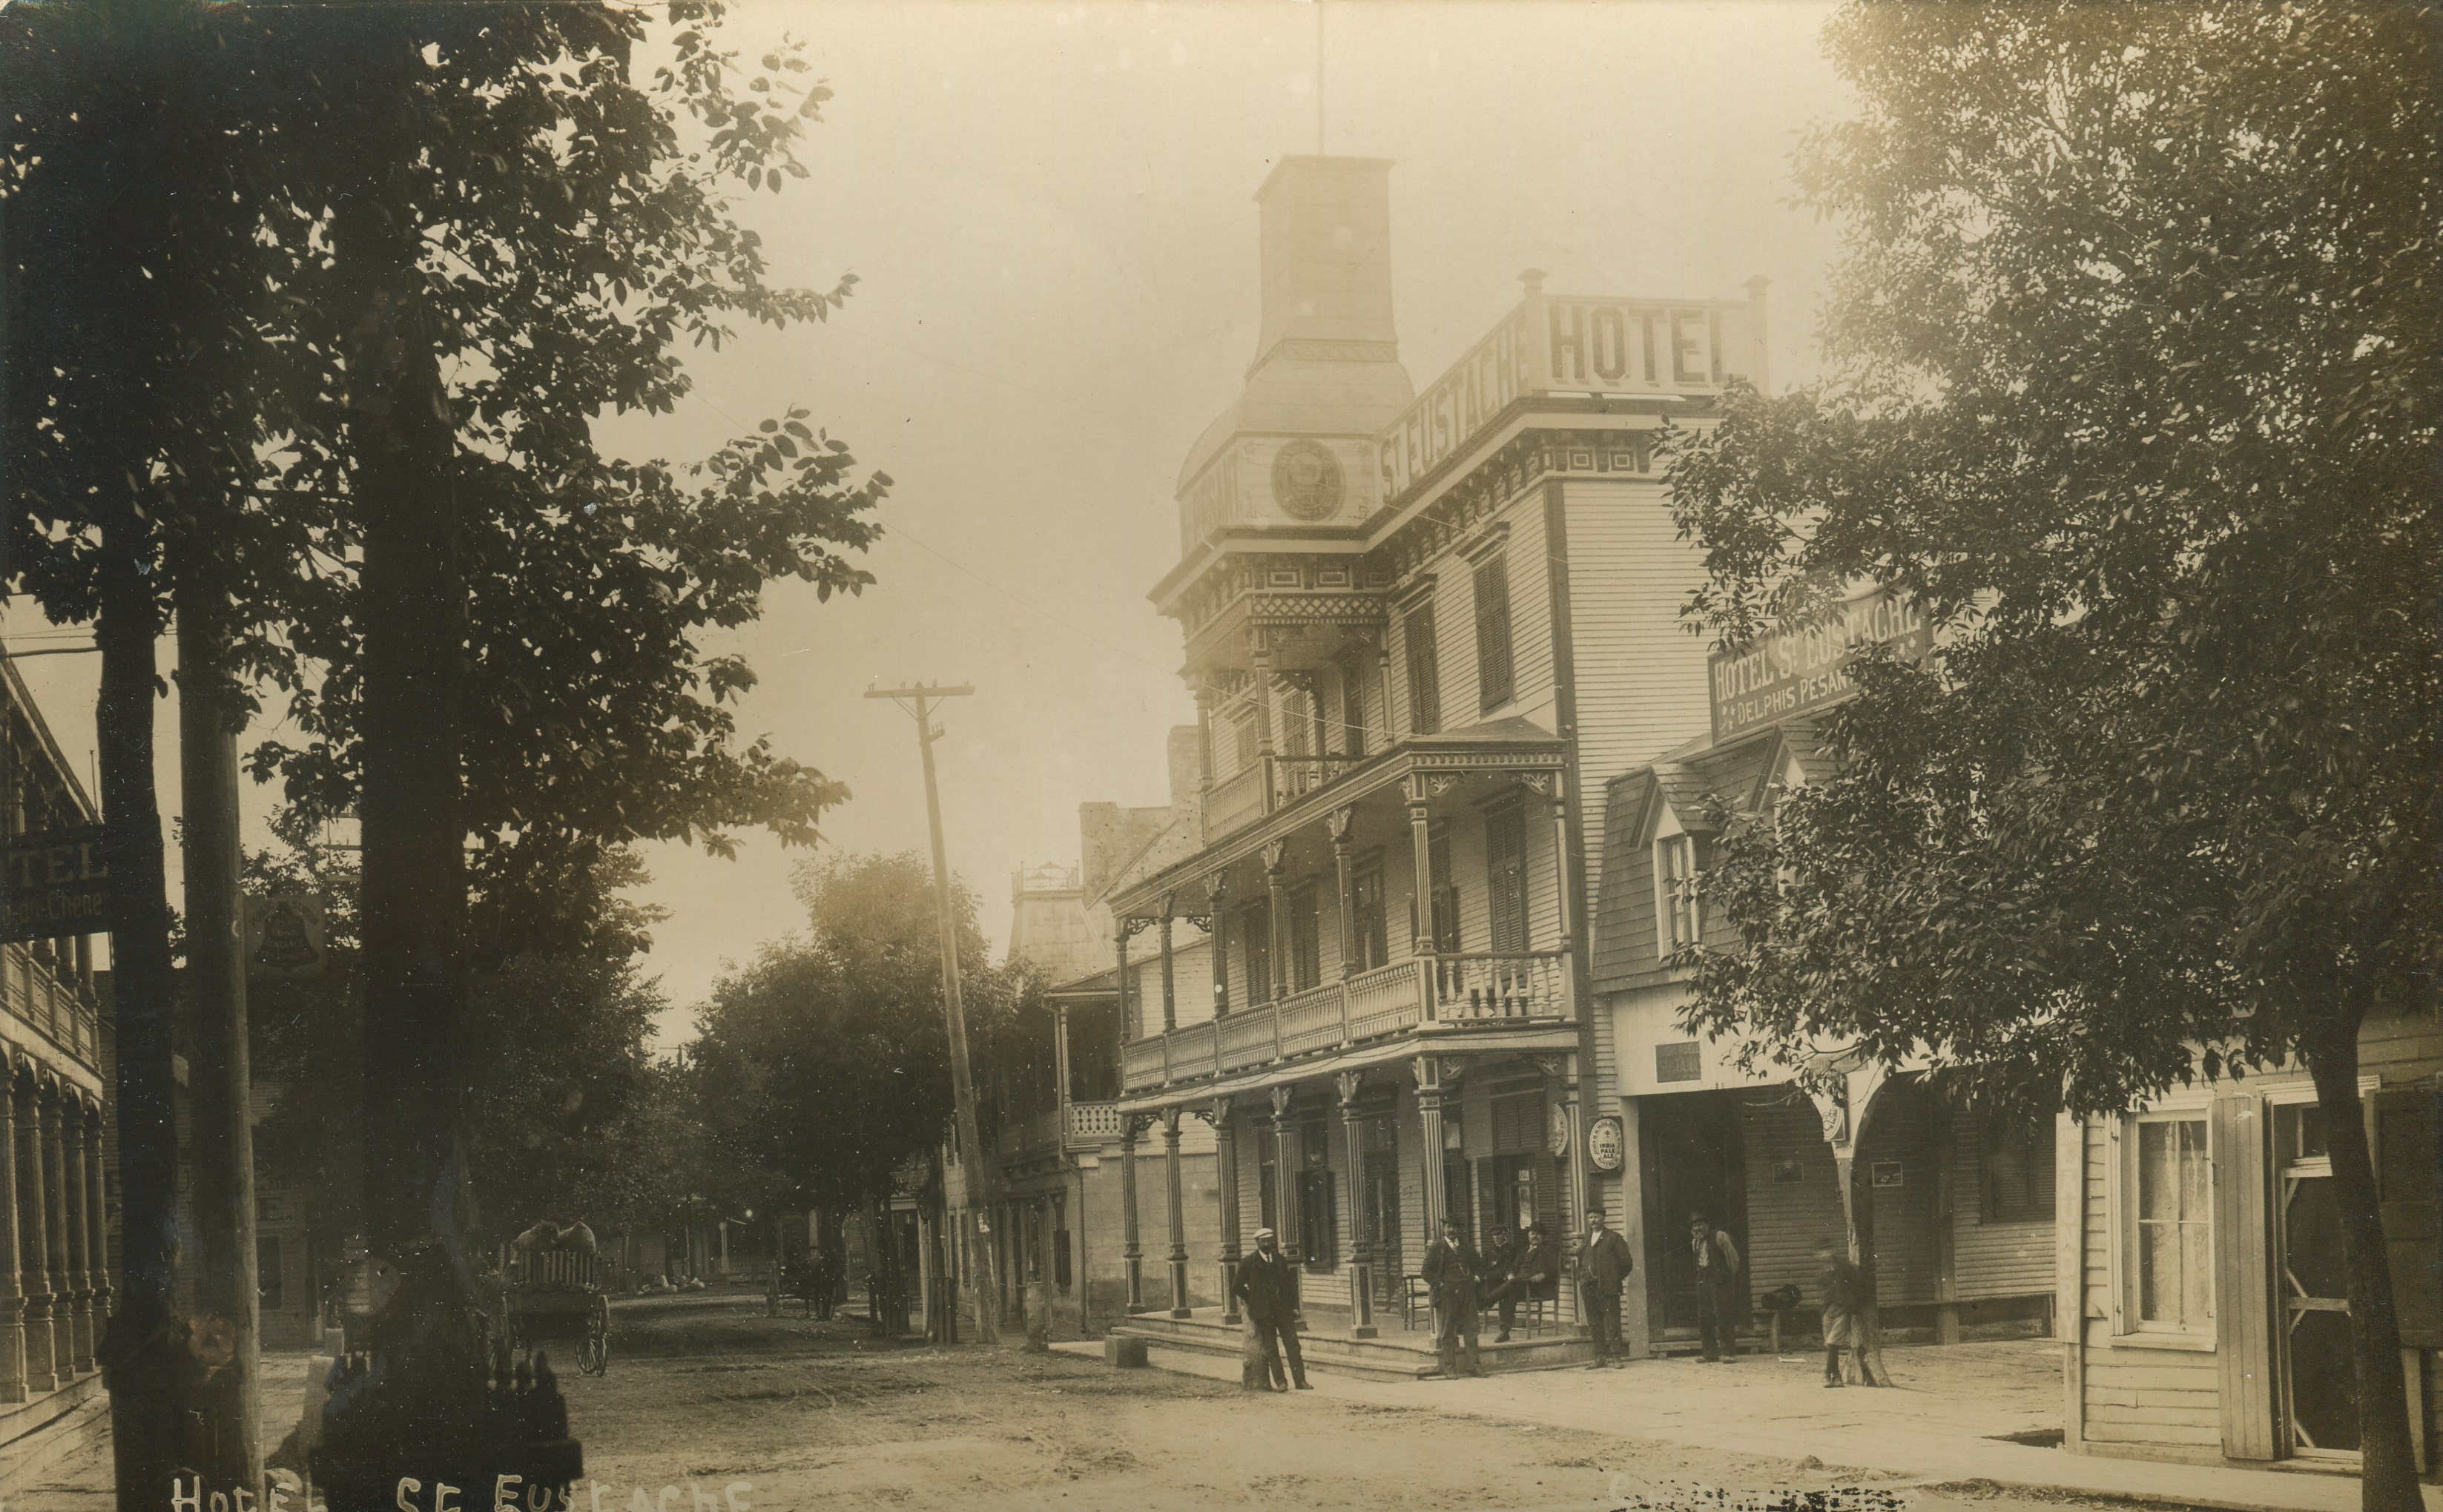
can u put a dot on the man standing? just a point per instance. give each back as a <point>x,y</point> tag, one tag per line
<point>1602,1267</point>
<point>1717,1279</point>
<point>1451,1270</point>
<point>1525,1269</point>
<point>1267,1286</point>
<point>1843,1291</point>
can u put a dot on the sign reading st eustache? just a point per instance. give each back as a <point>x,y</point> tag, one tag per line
<point>1790,673</point>
<point>54,885</point>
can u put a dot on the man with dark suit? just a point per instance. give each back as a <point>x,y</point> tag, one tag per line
<point>1452,1271</point>
<point>1721,1304</point>
<point>1267,1287</point>
<point>1602,1267</point>
<point>1523,1268</point>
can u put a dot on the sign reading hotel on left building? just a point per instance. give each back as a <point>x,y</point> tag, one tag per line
<point>56,884</point>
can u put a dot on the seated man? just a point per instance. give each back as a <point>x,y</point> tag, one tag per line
<point>1526,1267</point>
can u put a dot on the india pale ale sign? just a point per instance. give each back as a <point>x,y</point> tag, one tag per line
<point>1788,673</point>
<point>56,884</point>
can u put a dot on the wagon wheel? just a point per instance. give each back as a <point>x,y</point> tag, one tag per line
<point>594,1354</point>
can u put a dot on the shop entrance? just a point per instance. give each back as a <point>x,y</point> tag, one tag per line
<point>2318,1377</point>
<point>1694,1161</point>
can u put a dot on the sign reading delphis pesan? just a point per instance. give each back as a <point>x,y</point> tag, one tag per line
<point>1796,672</point>
<point>56,884</point>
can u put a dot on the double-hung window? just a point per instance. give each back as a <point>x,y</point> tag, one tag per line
<point>2168,1202</point>
<point>1425,683</point>
<point>1678,907</point>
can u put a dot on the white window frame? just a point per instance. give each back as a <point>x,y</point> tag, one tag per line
<point>1675,894</point>
<point>2122,1170</point>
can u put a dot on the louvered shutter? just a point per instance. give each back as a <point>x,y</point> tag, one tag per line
<point>2409,1168</point>
<point>1424,691</point>
<point>1492,633</point>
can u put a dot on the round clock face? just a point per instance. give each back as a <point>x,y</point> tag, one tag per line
<point>1307,479</point>
<point>1604,1144</point>
<point>1556,1131</point>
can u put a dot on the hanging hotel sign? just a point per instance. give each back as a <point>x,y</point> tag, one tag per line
<point>56,884</point>
<point>1785,674</point>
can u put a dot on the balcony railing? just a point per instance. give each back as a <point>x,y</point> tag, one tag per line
<point>1267,785</point>
<point>1460,988</point>
<point>1091,1122</point>
<point>54,1004</point>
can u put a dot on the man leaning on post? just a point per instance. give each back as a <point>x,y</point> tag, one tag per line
<point>1602,1264</point>
<point>1268,1285</point>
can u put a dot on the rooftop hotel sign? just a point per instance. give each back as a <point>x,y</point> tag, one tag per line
<point>1556,344</point>
<point>1790,673</point>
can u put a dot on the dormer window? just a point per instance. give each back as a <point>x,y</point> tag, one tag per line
<point>1678,911</point>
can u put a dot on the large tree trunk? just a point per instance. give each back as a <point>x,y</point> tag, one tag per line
<point>144,1342</point>
<point>2388,1467</point>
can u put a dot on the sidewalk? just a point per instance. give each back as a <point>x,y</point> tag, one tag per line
<point>1942,1425</point>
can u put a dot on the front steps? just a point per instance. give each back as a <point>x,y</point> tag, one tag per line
<point>1393,1355</point>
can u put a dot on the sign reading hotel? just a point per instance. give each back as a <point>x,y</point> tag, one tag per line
<point>55,884</point>
<point>1552,344</point>
<point>1785,674</point>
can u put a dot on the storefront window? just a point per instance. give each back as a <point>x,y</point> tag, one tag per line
<point>2175,1280</point>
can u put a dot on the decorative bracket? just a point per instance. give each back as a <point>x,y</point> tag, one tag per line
<point>1349,1082</point>
<point>1340,822</point>
<point>1281,1098</point>
<point>1215,1113</point>
<point>1276,852</point>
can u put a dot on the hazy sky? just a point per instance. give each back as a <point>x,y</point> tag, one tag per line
<point>1049,211</point>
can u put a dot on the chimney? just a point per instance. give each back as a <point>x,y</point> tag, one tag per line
<point>1327,252</point>
<point>1187,752</point>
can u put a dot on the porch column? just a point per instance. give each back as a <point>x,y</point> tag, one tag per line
<point>80,1268</point>
<point>1226,1170</point>
<point>1178,1212</point>
<point>1263,663</point>
<point>1132,1249</point>
<point>1340,822</point>
<point>35,1251</point>
<point>1361,1256</point>
<point>1217,893</point>
<point>1285,1206</point>
<point>1428,1072</point>
<point>1422,943</point>
<point>1169,998</point>
<point>1561,1077</point>
<point>1120,985</point>
<point>1277,900</point>
<point>96,1218</point>
<point>1946,1235</point>
<point>12,1302</point>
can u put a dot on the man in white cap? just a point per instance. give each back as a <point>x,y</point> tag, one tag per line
<point>1267,1285</point>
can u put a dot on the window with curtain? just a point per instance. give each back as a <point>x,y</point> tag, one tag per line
<point>2172,1249</point>
<point>1424,684</point>
<point>1676,903</point>
<point>1492,633</point>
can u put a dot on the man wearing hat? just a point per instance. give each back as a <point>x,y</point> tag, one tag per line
<point>1267,1286</point>
<point>1451,1270</point>
<point>1520,1268</point>
<point>1720,1303</point>
<point>1602,1264</point>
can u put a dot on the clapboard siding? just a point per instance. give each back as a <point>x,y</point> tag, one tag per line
<point>1533,690</point>
<point>1623,913</point>
<point>1995,1258</point>
<point>1785,1218</point>
<point>2152,1395</point>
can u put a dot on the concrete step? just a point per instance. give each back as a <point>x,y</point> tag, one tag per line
<point>1386,1357</point>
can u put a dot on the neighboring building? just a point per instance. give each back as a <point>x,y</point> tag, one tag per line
<point>56,1147</point>
<point>1413,627</point>
<point>1055,1135</point>
<point>2202,1279</point>
<point>1954,1212</point>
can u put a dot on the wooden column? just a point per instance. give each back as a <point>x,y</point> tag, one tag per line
<point>34,1252</point>
<point>1265,750</point>
<point>1170,995</point>
<point>1277,911</point>
<point>1421,842</point>
<point>1226,1169</point>
<point>1120,986</point>
<point>80,1261</point>
<point>1285,1206</point>
<point>12,1302</point>
<point>1217,893</point>
<point>96,1218</point>
<point>1341,823</point>
<point>1176,1191</point>
<point>1361,1256</point>
<point>1946,1233</point>
<point>1131,1246</point>
<point>1428,1073</point>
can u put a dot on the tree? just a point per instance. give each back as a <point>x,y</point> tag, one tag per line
<point>2130,343</point>
<point>825,1059</point>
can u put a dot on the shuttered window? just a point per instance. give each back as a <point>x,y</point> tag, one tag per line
<point>1505,865</point>
<point>1374,947</point>
<point>1256,950</point>
<point>2014,1173</point>
<point>1492,633</point>
<point>1424,684</point>
<point>1306,954</point>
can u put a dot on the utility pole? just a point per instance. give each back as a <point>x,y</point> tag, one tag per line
<point>963,1087</point>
